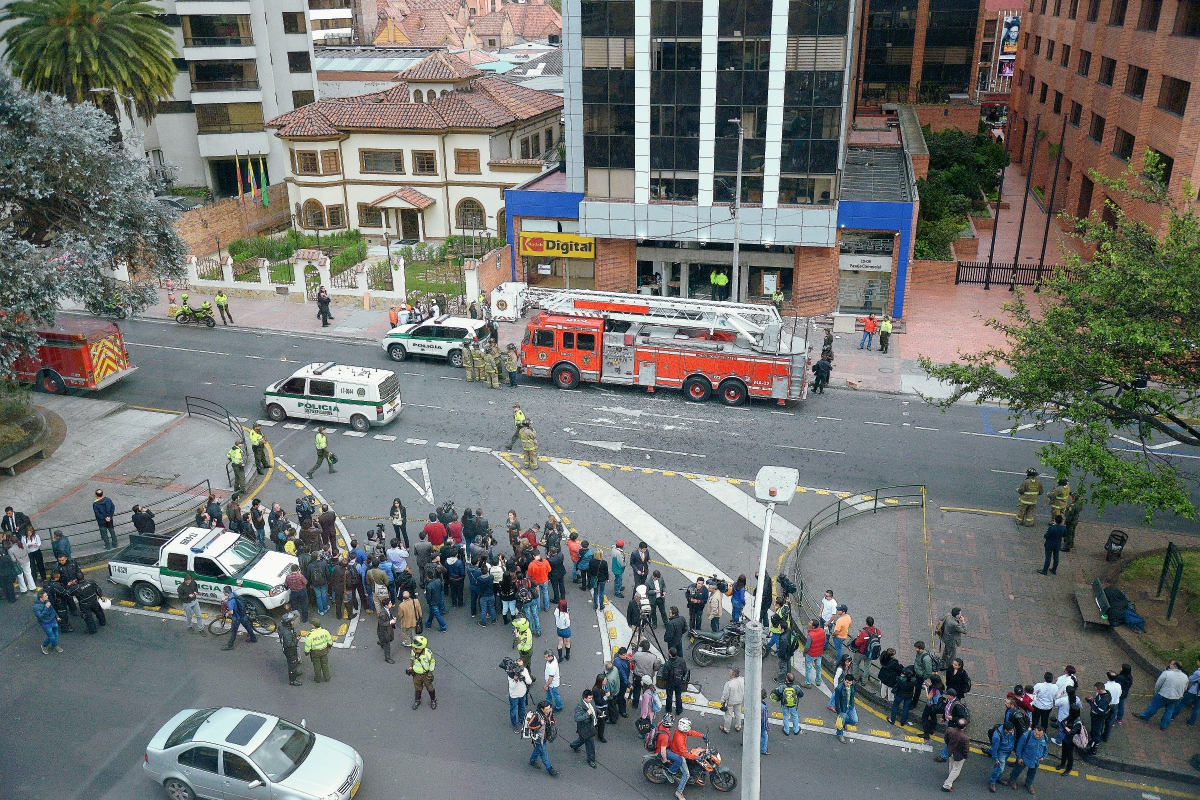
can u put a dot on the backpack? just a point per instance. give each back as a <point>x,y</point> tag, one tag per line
<point>789,695</point>
<point>874,646</point>
<point>655,705</point>
<point>941,629</point>
<point>651,738</point>
<point>935,662</point>
<point>524,594</point>
<point>680,672</point>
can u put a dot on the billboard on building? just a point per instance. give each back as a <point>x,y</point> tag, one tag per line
<point>1008,42</point>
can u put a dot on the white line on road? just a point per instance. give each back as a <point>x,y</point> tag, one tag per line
<point>1006,472</point>
<point>414,374</point>
<point>416,441</point>
<point>180,349</point>
<point>448,378</point>
<point>1006,436</point>
<point>384,438</point>
<point>920,428</point>
<point>294,426</point>
<point>474,449</point>
<point>418,405</point>
<point>449,445</point>
<point>355,434</point>
<point>810,449</point>
<point>831,419</point>
<point>748,508</point>
<point>868,422</point>
<point>785,413</point>
<point>267,422</point>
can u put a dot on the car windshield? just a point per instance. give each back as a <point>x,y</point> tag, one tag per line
<point>241,555</point>
<point>284,749</point>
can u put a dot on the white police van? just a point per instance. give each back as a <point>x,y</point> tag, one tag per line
<point>360,396</point>
<point>442,337</point>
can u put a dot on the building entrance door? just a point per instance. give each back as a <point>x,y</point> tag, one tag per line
<point>410,224</point>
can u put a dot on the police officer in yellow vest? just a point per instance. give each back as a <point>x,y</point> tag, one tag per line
<point>420,666</point>
<point>259,446</point>
<point>885,333</point>
<point>317,644</point>
<point>222,301</point>
<point>1028,493</point>
<point>518,418</point>
<point>777,300</point>
<point>523,639</point>
<point>720,284</point>
<point>237,460</point>
<point>323,453</point>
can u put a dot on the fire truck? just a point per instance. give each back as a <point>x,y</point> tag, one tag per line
<point>734,350</point>
<point>77,353</point>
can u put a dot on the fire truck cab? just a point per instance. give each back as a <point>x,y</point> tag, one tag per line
<point>736,351</point>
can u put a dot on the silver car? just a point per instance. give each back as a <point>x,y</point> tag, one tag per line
<point>233,754</point>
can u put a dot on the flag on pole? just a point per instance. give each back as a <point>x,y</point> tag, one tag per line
<point>237,164</point>
<point>262,181</point>
<point>253,181</point>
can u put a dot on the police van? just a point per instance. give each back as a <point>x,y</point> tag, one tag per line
<point>331,392</point>
<point>441,337</point>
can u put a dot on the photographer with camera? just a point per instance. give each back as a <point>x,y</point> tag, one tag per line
<point>519,681</point>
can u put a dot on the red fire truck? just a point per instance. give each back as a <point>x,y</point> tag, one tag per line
<point>736,350</point>
<point>77,353</point>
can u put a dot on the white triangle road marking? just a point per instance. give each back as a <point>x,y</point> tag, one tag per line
<point>422,464</point>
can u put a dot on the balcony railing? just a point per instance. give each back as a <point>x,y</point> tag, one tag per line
<point>224,86</point>
<point>327,5</point>
<point>217,41</point>
<point>241,127</point>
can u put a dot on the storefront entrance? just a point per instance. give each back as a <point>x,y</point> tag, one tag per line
<point>865,273</point>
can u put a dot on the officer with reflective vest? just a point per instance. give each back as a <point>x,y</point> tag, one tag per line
<point>777,300</point>
<point>523,639</point>
<point>512,363</point>
<point>420,666</point>
<point>529,444</point>
<point>259,446</point>
<point>518,418</point>
<point>317,644</point>
<point>720,283</point>
<point>323,454</point>
<point>222,301</point>
<point>237,462</point>
<point>1028,493</point>
<point>1058,498</point>
<point>469,361</point>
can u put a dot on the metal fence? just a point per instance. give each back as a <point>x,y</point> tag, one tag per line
<point>207,409</point>
<point>1004,273</point>
<point>346,279</point>
<point>209,269</point>
<point>379,277</point>
<point>282,272</point>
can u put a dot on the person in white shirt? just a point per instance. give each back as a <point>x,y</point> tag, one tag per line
<point>1062,709</point>
<point>518,687</point>
<point>1068,678</point>
<point>552,680</point>
<point>828,608</point>
<point>1115,689</point>
<point>1044,695</point>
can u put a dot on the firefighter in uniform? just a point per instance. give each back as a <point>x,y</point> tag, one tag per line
<point>512,363</point>
<point>1028,493</point>
<point>237,460</point>
<point>492,365</point>
<point>1074,508</point>
<point>259,447</point>
<point>518,418</point>
<point>529,446</point>
<point>420,666</point>
<point>323,454</point>
<point>481,363</point>
<point>469,361</point>
<point>1058,497</point>
<point>291,646</point>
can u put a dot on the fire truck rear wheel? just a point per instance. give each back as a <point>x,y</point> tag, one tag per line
<point>50,382</point>
<point>697,389</point>
<point>733,392</point>
<point>566,376</point>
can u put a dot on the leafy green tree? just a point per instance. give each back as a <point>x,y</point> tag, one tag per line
<point>1113,352</point>
<point>72,47</point>
<point>74,207</point>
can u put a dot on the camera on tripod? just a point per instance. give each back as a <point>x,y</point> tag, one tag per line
<point>511,667</point>
<point>788,587</point>
<point>721,585</point>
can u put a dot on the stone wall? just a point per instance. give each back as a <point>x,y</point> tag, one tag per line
<point>814,284</point>
<point>616,265</point>
<point>231,219</point>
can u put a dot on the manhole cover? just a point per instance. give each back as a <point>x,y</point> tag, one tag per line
<point>886,369</point>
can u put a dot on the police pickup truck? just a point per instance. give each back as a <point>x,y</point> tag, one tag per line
<point>153,566</point>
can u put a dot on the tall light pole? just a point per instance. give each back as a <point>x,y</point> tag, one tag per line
<point>772,485</point>
<point>735,277</point>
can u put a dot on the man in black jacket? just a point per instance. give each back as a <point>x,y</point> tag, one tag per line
<point>143,519</point>
<point>61,599</point>
<point>87,594</point>
<point>558,572</point>
<point>70,571</point>
<point>674,630</point>
<point>676,674</point>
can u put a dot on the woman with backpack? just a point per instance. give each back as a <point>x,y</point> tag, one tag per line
<point>506,593</point>
<point>1071,730</point>
<point>889,673</point>
<point>933,706</point>
<point>648,706</point>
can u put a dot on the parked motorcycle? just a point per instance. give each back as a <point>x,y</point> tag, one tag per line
<point>709,647</point>
<point>192,316</point>
<point>107,308</point>
<point>704,766</point>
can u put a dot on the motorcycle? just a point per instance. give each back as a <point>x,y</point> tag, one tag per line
<point>107,308</point>
<point>708,647</point>
<point>704,766</point>
<point>192,316</point>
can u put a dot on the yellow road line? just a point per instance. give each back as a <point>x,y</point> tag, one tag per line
<point>152,408</point>
<point>978,511</point>
<point>1142,787</point>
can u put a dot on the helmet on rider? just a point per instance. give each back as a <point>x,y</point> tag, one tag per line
<point>420,643</point>
<point>666,721</point>
<point>289,617</point>
<point>684,725</point>
<point>184,298</point>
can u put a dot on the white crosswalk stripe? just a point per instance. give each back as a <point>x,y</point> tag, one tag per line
<point>746,506</point>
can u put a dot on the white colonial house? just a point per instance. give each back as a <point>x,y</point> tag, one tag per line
<point>428,158</point>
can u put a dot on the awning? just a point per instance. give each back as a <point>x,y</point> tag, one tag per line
<point>404,197</point>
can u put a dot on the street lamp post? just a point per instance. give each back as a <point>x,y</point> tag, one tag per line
<point>772,485</point>
<point>218,238</point>
<point>735,277</point>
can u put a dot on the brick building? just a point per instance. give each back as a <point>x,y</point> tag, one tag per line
<point>1119,72</point>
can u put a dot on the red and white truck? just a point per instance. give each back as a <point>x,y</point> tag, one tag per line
<point>734,350</point>
<point>77,353</point>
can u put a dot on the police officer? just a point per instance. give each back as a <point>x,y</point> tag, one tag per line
<point>258,445</point>
<point>61,599</point>
<point>317,644</point>
<point>87,594</point>
<point>237,461</point>
<point>222,301</point>
<point>1028,493</point>
<point>529,446</point>
<point>420,666</point>
<point>518,418</point>
<point>523,639</point>
<point>1058,497</point>
<point>290,641</point>
<point>885,333</point>
<point>469,361</point>
<point>323,454</point>
<point>777,300</point>
<point>1074,509</point>
<point>512,363</point>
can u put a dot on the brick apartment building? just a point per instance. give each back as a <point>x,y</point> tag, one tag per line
<point>1120,72</point>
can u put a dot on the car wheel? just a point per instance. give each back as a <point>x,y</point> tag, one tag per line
<point>147,595</point>
<point>276,412</point>
<point>397,352</point>
<point>566,376</point>
<point>733,392</point>
<point>359,423</point>
<point>455,358</point>
<point>258,606</point>
<point>697,389</point>
<point>178,790</point>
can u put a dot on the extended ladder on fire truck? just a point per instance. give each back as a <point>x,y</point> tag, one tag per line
<point>748,318</point>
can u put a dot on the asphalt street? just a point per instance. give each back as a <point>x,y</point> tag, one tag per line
<point>669,484</point>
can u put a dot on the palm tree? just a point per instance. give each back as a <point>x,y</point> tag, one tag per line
<point>74,48</point>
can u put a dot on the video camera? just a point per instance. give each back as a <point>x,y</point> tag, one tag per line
<point>511,667</point>
<point>788,587</point>
<point>721,585</point>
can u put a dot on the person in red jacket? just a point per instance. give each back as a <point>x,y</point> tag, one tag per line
<point>435,531</point>
<point>539,573</point>
<point>870,328</point>
<point>813,649</point>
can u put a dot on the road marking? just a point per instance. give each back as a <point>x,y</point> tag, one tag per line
<point>918,427</point>
<point>785,413</point>
<point>629,412</point>
<point>619,446</point>
<point>294,426</point>
<point>414,374</point>
<point>831,419</point>
<point>179,349</point>
<point>1006,436</point>
<point>416,441</point>
<point>448,378</point>
<point>418,405</point>
<point>748,508</point>
<point>269,423</point>
<point>1029,425</point>
<point>384,438</point>
<point>353,433</point>
<point>474,449</point>
<point>1006,472</point>
<point>977,511</point>
<point>868,422</point>
<point>449,445</point>
<point>422,464</point>
<point>1140,786</point>
<point>810,449</point>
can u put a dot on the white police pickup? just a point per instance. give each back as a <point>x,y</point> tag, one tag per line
<point>153,566</point>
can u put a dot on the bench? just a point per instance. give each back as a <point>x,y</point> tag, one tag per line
<point>1093,605</point>
<point>9,465</point>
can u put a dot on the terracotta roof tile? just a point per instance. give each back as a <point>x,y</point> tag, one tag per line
<point>439,67</point>
<point>528,21</point>
<point>408,195</point>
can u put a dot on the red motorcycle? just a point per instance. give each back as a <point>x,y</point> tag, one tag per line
<point>704,766</point>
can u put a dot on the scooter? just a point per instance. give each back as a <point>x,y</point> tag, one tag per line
<point>704,766</point>
<point>191,316</point>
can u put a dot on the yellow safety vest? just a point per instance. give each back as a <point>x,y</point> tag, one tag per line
<point>221,299</point>
<point>318,639</point>
<point>518,417</point>
<point>423,663</point>
<point>885,326</point>
<point>322,442</point>
<point>235,456</point>
<point>525,639</point>
<point>256,439</point>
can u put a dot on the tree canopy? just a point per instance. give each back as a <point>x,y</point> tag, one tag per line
<point>73,207</point>
<point>1113,353</point>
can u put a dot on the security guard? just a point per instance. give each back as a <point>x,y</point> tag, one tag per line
<point>518,418</point>
<point>885,333</point>
<point>469,361</point>
<point>420,666</point>
<point>237,460</point>
<point>1058,497</point>
<point>777,300</point>
<point>1028,493</point>
<point>719,281</point>
<point>523,639</point>
<point>323,454</point>
<point>222,301</point>
<point>529,447</point>
<point>259,446</point>
<point>317,644</point>
<point>512,363</point>
<point>291,646</point>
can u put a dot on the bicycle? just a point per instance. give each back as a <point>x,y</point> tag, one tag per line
<point>260,624</point>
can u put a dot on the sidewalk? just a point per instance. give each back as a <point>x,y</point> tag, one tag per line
<point>1057,244</point>
<point>1020,624</point>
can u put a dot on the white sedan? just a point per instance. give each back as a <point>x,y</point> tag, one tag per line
<point>233,754</point>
